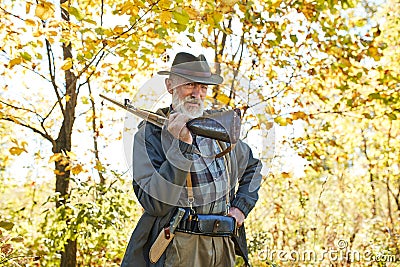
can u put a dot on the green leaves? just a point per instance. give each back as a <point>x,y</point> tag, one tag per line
<point>391,116</point>
<point>76,13</point>
<point>182,19</point>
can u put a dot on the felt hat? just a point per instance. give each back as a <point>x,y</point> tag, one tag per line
<point>192,68</point>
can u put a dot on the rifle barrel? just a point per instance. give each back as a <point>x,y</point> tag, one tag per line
<point>149,116</point>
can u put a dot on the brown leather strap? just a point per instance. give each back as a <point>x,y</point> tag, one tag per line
<point>189,186</point>
<point>226,151</point>
<point>228,168</point>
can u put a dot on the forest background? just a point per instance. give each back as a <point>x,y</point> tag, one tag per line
<point>321,92</point>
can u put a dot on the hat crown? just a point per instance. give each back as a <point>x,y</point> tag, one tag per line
<point>183,57</point>
<point>186,63</point>
<point>193,68</point>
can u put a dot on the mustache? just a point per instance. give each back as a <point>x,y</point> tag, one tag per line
<point>192,100</point>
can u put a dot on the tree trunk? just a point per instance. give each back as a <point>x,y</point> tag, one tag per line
<point>63,144</point>
<point>68,256</point>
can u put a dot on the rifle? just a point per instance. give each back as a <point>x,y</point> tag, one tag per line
<point>149,116</point>
<point>222,126</point>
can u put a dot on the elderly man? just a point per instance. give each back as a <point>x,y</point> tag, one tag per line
<point>172,168</point>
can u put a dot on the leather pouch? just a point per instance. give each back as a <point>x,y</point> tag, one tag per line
<point>216,225</point>
<point>223,126</point>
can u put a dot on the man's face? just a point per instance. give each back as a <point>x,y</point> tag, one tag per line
<point>187,96</point>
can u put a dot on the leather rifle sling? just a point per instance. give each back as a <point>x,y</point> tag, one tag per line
<point>227,161</point>
<point>189,186</point>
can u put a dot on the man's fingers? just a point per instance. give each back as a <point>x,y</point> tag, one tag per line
<point>177,127</point>
<point>237,214</point>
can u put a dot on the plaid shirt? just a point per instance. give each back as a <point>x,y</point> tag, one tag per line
<point>209,178</point>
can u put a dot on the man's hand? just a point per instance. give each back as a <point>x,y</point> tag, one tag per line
<point>237,214</point>
<point>177,127</point>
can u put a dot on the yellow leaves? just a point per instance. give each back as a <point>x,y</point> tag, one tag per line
<point>223,98</point>
<point>165,18</point>
<point>18,148</point>
<point>374,53</point>
<point>57,172</point>
<point>55,157</point>
<point>217,17</point>
<point>281,121</point>
<point>67,64</point>
<point>99,166</point>
<point>28,7</point>
<point>284,121</point>
<point>44,10</point>
<point>129,8</point>
<point>60,158</point>
<point>193,14</point>
<point>30,22</point>
<point>111,43</point>
<point>15,61</point>
<point>164,4</point>
<point>133,63</point>
<point>67,159</point>
<point>226,6</point>
<point>345,62</point>
<point>299,115</point>
<point>37,33</point>
<point>118,30</point>
<point>71,155</point>
<point>229,2</point>
<point>90,116</point>
<point>76,169</point>
<point>270,110</point>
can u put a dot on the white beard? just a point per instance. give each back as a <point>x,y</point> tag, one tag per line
<point>179,106</point>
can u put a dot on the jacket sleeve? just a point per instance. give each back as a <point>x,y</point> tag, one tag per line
<point>249,178</point>
<point>159,172</point>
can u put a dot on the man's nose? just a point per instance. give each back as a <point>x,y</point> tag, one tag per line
<point>196,91</point>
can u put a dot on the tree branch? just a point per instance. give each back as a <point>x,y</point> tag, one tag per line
<point>137,21</point>
<point>18,121</point>
<point>371,176</point>
<point>232,93</point>
<point>51,110</point>
<point>21,108</point>
<point>87,65</point>
<point>23,124</point>
<point>268,98</point>
<point>90,75</point>
<point>11,14</point>
<point>50,60</point>
<point>280,91</point>
<point>102,13</point>
<point>95,135</point>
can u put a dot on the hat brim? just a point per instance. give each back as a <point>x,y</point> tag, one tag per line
<point>214,79</point>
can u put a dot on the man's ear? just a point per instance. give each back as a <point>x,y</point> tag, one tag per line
<point>168,84</point>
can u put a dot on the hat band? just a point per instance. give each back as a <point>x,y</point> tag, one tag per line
<point>191,72</point>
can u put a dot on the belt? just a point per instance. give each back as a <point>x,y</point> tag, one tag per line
<point>208,224</point>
